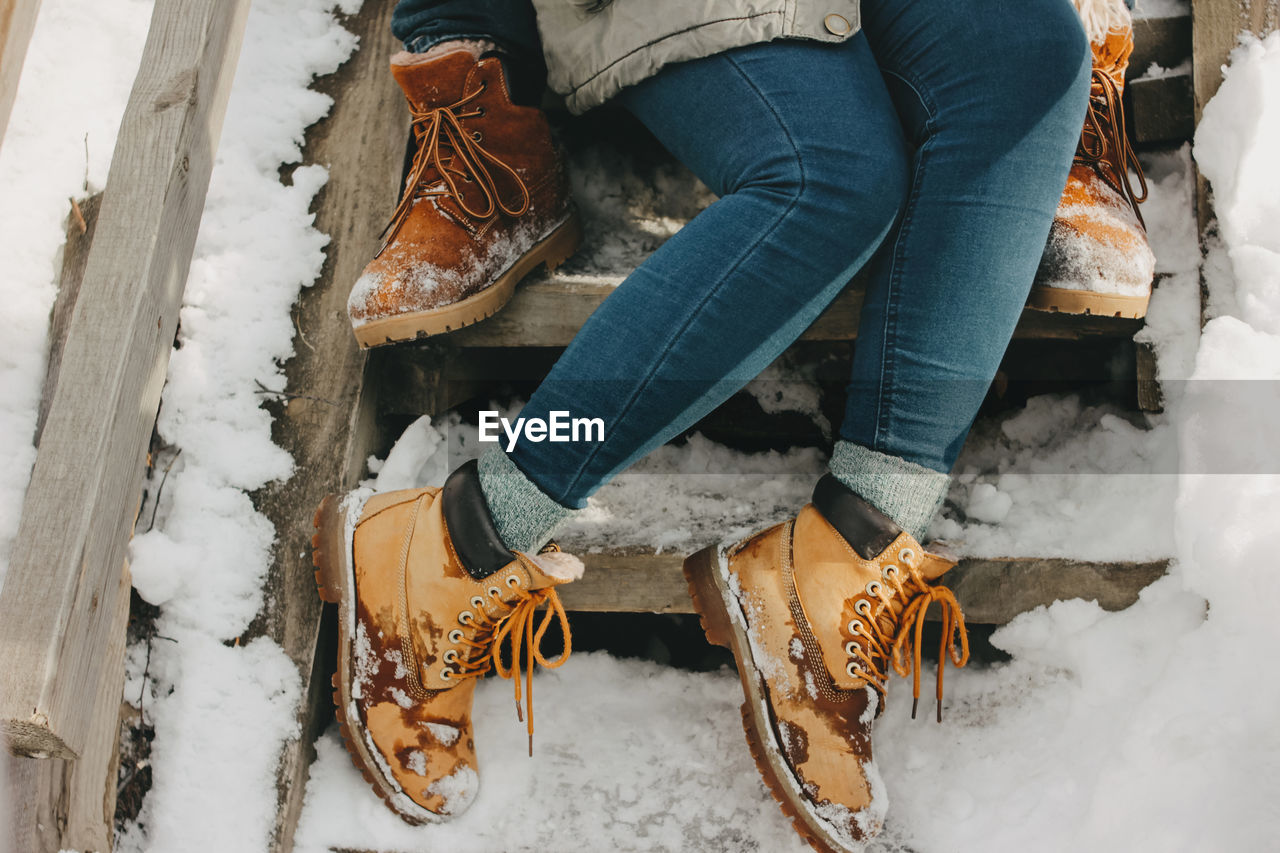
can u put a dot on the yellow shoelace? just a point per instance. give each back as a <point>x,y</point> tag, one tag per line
<point>515,627</point>
<point>892,636</point>
<point>1104,144</point>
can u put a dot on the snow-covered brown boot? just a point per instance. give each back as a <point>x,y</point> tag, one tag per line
<point>816,610</point>
<point>427,596</point>
<point>1097,260</point>
<point>486,201</point>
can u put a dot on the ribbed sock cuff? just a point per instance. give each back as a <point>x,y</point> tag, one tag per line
<point>524,515</point>
<point>908,493</point>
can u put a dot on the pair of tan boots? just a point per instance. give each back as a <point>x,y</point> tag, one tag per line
<point>816,610</point>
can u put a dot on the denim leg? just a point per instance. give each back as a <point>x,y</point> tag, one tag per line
<point>802,144</point>
<point>992,93</point>
<point>510,24</point>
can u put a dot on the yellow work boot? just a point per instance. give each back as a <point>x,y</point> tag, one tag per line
<point>816,610</point>
<point>1097,259</point>
<point>427,596</point>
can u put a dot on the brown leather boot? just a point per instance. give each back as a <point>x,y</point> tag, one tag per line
<point>815,611</point>
<point>485,202</point>
<point>1097,260</point>
<point>427,595</point>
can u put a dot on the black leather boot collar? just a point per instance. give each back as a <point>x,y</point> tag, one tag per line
<point>867,530</point>
<point>466,516</point>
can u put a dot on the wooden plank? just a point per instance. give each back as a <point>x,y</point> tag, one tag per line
<point>327,423</point>
<point>990,591</point>
<point>61,804</point>
<point>1162,109</point>
<point>1163,41</point>
<point>17,22</point>
<point>75,254</point>
<point>80,504</point>
<point>1216,26</point>
<point>547,312</point>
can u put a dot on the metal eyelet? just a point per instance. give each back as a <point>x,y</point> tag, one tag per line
<point>850,648</point>
<point>477,135</point>
<point>455,636</point>
<point>494,591</point>
<point>477,602</point>
<point>873,588</point>
<point>891,571</point>
<point>862,607</point>
<point>466,617</point>
<point>853,670</point>
<point>513,581</point>
<point>907,556</point>
<point>450,655</point>
<point>855,626</point>
<point>446,673</point>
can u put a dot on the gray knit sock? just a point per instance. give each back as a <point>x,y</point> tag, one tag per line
<point>524,515</point>
<point>908,493</point>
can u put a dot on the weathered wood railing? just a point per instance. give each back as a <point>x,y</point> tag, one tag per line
<point>60,626</point>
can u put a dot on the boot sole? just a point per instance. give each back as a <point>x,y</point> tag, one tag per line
<point>717,608</point>
<point>1061,300</point>
<point>551,251</point>
<point>335,582</point>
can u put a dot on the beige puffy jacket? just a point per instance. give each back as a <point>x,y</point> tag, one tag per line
<point>594,48</point>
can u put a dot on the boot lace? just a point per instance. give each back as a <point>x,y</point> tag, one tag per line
<point>891,629</point>
<point>446,151</point>
<point>512,623</point>
<point>1104,144</point>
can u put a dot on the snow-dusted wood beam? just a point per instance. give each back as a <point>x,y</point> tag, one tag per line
<point>992,591</point>
<point>17,21</point>
<point>58,605</point>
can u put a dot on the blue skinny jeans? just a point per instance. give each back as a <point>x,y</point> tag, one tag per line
<point>933,145</point>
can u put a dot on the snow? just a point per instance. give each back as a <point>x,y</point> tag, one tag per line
<point>628,755</point>
<point>1162,9</point>
<point>57,146</point>
<point>1156,71</point>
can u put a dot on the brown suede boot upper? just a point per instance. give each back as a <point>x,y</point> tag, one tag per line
<point>425,630</point>
<point>487,183</point>
<point>1098,242</point>
<point>823,625</point>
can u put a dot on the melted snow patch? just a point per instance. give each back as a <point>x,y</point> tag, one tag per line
<point>445,734</point>
<point>458,790</point>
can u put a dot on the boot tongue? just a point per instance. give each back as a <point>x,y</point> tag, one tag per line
<point>553,568</point>
<point>1111,54</point>
<point>437,82</point>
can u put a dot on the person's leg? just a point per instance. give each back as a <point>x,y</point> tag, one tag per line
<point>509,25</point>
<point>992,94</point>
<point>810,178</point>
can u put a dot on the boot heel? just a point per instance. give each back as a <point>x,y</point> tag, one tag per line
<point>328,549</point>
<point>700,572</point>
<point>563,242</point>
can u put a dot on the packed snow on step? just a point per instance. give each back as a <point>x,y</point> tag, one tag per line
<point>1143,730</point>
<point>57,146</point>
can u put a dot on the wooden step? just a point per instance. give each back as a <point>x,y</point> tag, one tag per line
<point>547,311</point>
<point>991,591</point>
